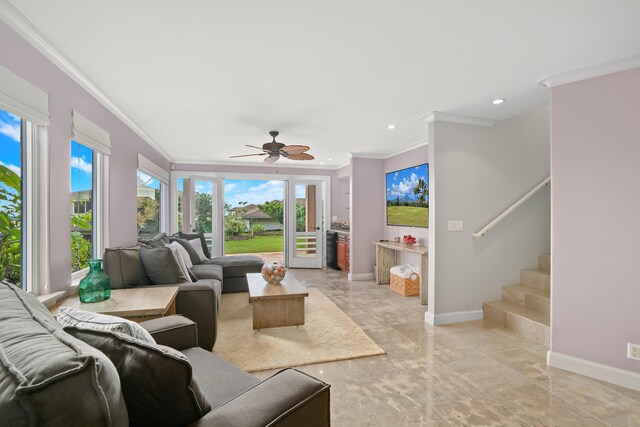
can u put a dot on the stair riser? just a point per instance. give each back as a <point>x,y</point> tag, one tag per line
<point>528,328</point>
<point>537,303</point>
<point>520,325</point>
<point>494,314</point>
<point>535,279</point>
<point>544,262</point>
<point>513,297</point>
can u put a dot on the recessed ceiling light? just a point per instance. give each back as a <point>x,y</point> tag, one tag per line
<point>497,101</point>
<point>391,127</point>
<point>322,163</point>
<point>329,159</point>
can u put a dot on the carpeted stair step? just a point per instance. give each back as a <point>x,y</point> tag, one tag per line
<point>544,262</point>
<point>535,278</point>
<point>523,321</point>
<point>525,296</point>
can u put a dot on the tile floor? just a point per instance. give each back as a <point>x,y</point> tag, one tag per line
<point>467,374</point>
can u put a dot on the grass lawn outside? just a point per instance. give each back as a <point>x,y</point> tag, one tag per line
<point>270,243</point>
<point>410,216</point>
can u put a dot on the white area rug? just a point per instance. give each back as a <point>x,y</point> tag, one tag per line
<point>327,335</point>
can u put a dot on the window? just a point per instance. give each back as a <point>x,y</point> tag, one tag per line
<point>11,201</point>
<point>82,206</point>
<point>89,167</point>
<point>149,205</point>
<point>24,115</point>
<point>18,201</point>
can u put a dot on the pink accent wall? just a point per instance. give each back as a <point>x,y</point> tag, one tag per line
<point>64,96</point>
<point>411,158</point>
<point>595,247</point>
<point>367,212</point>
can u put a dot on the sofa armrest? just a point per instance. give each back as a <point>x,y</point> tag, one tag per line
<point>199,302</point>
<point>286,399</point>
<point>173,331</point>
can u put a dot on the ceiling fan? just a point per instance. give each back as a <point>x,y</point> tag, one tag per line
<point>275,149</point>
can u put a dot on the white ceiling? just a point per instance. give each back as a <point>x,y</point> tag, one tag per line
<point>202,78</point>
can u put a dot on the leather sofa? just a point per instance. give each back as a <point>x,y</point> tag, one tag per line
<point>49,376</point>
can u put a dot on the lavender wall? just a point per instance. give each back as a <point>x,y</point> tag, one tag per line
<point>64,96</point>
<point>367,212</point>
<point>595,135</point>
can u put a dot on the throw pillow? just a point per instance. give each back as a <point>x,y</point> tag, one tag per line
<point>157,381</point>
<point>157,241</point>
<point>193,255</point>
<point>197,245</point>
<point>183,252</point>
<point>200,236</point>
<point>68,316</point>
<point>161,266</point>
<point>180,262</point>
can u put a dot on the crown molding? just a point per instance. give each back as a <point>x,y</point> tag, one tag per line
<point>438,116</point>
<point>418,144</point>
<point>249,164</point>
<point>591,72</point>
<point>25,29</point>
<point>366,156</point>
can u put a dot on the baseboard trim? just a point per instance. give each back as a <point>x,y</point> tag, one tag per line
<point>360,276</point>
<point>595,370</point>
<point>453,317</point>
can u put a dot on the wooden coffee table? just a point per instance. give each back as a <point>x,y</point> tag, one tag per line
<point>137,304</point>
<point>276,305</point>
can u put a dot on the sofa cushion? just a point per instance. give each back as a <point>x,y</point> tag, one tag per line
<point>184,253</point>
<point>200,236</point>
<point>207,271</point>
<point>197,245</point>
<point>157,241</point>
<point>161,266</point>
<point>68,316</point>
<point>235,380</point>
<point>173,247</point>
<point>191,251</point>
<point>43,369</point>
<point>238,265</point>
<point>157,382</point>
<point>124,267</point>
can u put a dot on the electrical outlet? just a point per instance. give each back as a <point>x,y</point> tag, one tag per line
<point>633,351</point>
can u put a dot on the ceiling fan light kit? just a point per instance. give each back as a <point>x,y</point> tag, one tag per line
<point>276,149</point>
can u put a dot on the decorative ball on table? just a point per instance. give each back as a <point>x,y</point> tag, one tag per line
<point>273,272</point>
<point>96,285</point>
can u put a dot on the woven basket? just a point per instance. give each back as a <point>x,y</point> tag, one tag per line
<point>406,286</point>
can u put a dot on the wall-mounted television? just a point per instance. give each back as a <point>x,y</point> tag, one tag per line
<point>408,196</point>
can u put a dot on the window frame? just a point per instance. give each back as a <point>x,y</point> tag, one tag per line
<point>99,206</point>
<point>164,197</point>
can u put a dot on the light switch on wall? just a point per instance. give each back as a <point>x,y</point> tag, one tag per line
<point>334,218</point>
<point>455,225</point>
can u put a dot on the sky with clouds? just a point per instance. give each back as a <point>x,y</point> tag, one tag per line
<point>252,191</point>
<point>10,141</point>
<point>401,183</point>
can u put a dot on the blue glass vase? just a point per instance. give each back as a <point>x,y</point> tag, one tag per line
<point>95,286</point>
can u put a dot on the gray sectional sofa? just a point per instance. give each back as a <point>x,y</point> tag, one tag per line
<point>77,377</point>
<point>197,301</point>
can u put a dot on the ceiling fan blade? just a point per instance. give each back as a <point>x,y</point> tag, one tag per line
<point>295,149</point>
<point>271,159</point>
<point>253,146</point>
<point>300,156</point>
<point>248,155</point>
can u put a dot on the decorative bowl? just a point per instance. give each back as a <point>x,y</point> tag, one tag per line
<point>273,272</point>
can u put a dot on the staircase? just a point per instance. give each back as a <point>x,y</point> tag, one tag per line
<point>525,307</point>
